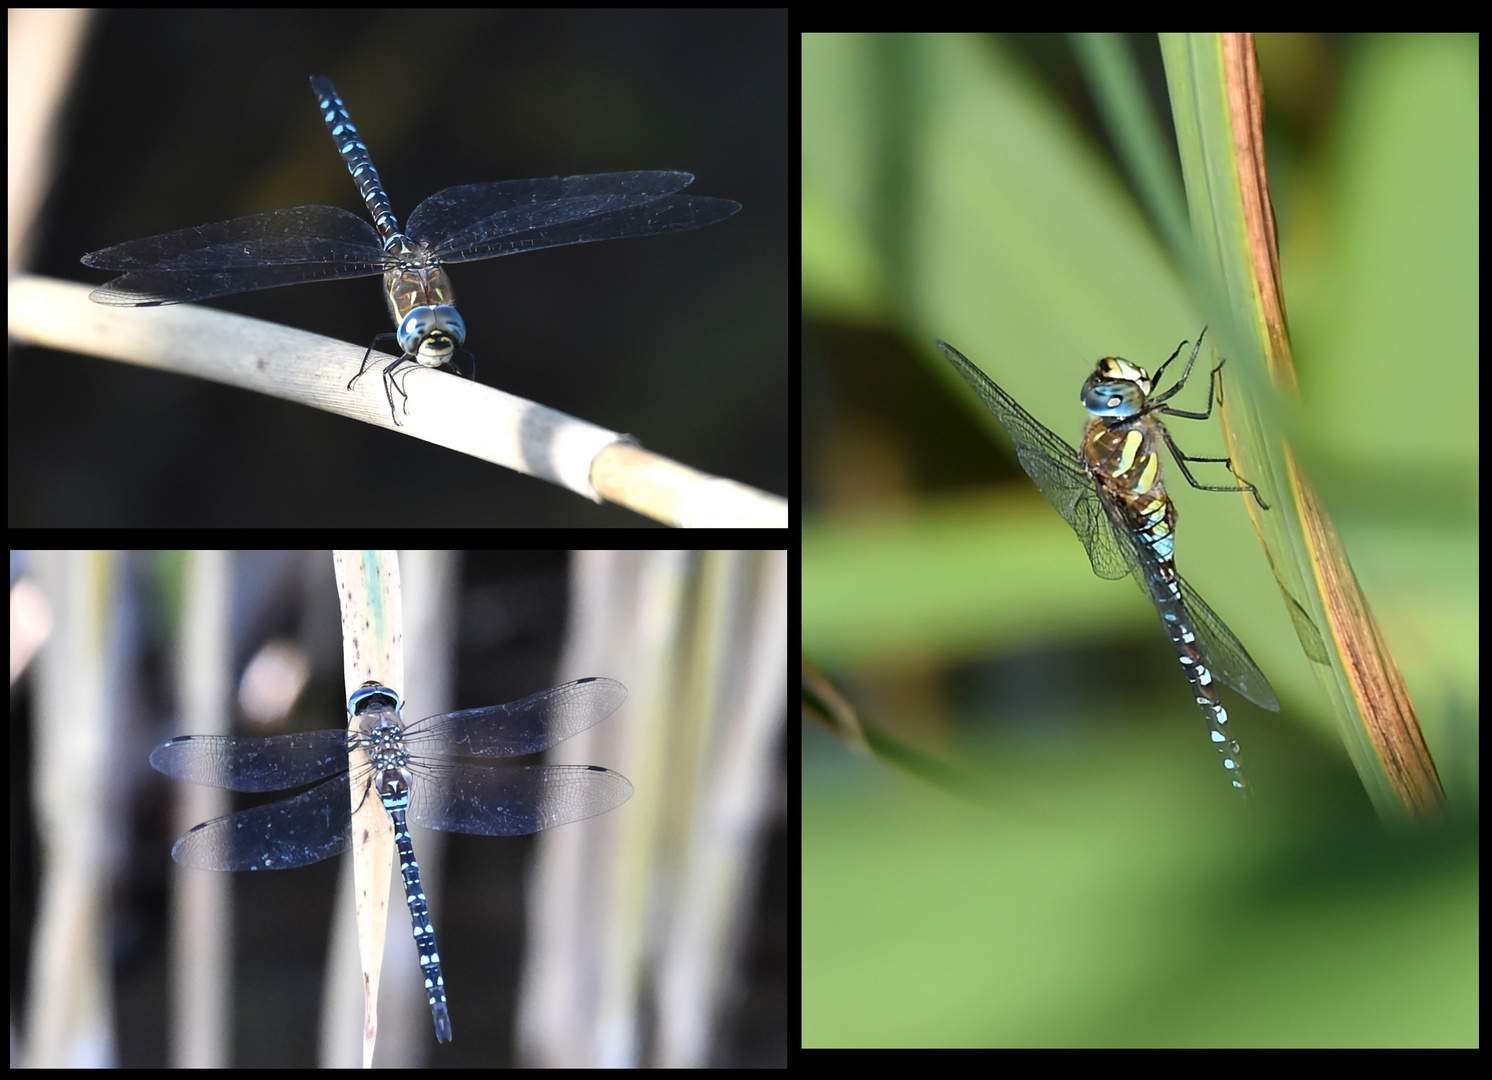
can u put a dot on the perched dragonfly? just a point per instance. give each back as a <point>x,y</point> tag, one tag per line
<point>1112,495</point>
<point>458,224</point>
<point>416,771</point>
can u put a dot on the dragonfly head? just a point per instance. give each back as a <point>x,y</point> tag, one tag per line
<point>432,334</point>
<point>371,693</point>
<point>1116,388</point>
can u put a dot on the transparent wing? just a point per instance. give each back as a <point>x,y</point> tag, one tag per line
<point>1226,657</point>
<point>260,251</point>
<point>280,761</point>
<point>1058,471</point>
<point>280,836</point>
<point>482,221</point>
<point>512,800</point>
<point>535,723</point>
<point>1224,654</point>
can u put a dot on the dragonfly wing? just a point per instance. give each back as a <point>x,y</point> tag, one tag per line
<point>482,221</point>
<point>535,723</point>
<point>1226,657</point>
<point>1220,648</point>
<point>280,761</point>
<point>279,836</point>
<point>1056,468</point>
<point>512,800</point>
<point>260,251</point>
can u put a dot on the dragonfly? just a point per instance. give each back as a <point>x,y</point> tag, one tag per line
<point>417,771</point>
<point>458,224</point>
<point>1112,494</point>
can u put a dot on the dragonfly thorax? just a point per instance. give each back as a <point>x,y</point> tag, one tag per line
<point>385,741</point>
<point>1116,388</point>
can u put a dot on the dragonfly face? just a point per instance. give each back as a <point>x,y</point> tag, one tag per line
<point>373,694</point>
<point>432,334</point>
<point>1116,388</point>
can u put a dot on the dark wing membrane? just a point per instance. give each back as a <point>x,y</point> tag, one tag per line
<point>482,221</point>
<point>260,251</point>
<point>1225,655</point>
<point>535,723</point>
<point>1227,659</point>
<point>1058,471</point>
<point>279,836</point>
<point>512,800</point>
<point>281,761</point>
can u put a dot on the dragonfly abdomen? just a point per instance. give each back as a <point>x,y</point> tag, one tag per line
<point>1166,595</point>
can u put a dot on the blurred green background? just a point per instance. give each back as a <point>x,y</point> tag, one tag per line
<point>1107,890</point>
